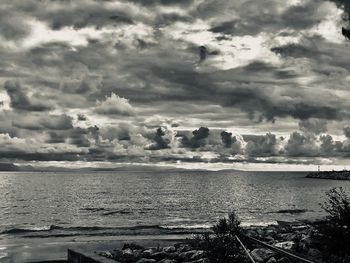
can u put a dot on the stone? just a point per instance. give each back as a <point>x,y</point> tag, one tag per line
<point>186,256</point>
<point>128,256</point>
<point>314,253</point>
<point>146,260</point>
<point>169,249</point>
<point>283,260</point>
<point>132,246</point>
<point>159,255</point>
<point>184,248</point>
<point>168,261</point>
<point>148,252</point>
<point>272,260</point>
<point>262,254</point>
<point>198,255</point>
<point>285,245</point>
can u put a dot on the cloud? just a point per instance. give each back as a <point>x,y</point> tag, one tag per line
<point>261,145</point>
<point>161,141</point>
<point>198,139</point>
<point>315,126</point>
<point>115,105</point>
<point>43,122</point>
<point>21,101</point>
<point>227,139</point>
<point>347,131</point>
<point>299,145</point>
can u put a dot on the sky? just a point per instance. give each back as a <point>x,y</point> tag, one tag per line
<point>193,83</point>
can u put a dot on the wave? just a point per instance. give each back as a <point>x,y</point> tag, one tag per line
<point>58,231</point>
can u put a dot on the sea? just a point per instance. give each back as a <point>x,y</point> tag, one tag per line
<point>38,207</point>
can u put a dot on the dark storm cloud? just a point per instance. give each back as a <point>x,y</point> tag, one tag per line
<point>198,139</point>
<point>93,15</point>
<point>81,117</point>
<point>21,101</point>
<point>347,131</point>
<point>160,141</point>
<point>294,50</point>
<point>252,22</point>
<point>227,139</point>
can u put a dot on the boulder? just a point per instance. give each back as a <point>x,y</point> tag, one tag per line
<point>146,260</point>
<point>262,254</point>
<point>198,255</point>
<point>159,255</point>
<point>169,249</point>
<point>314,253</point>
<point>148,253</point>
<point>168,261</point>
<point>272,260</point>
<point>132,246</point>
<point>285,245</point>
<point>184,248</point>
<point>283,260</point>
<point>186,256</point>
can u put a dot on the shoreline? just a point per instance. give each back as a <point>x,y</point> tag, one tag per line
<point>55,248</point>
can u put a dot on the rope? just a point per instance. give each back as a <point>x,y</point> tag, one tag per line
<point>246,250</point>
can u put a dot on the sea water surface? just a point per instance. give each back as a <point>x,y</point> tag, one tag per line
<point>41,205</point>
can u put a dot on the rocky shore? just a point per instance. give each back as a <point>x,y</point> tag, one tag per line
<point>300,239</point>
<point>335,175</point>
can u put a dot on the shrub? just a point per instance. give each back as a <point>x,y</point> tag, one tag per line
<point>221,245</point>
<point>336,230</point>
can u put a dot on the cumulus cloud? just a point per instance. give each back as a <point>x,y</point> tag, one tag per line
<point>198,139</point>
<point>43,122</point>
<point>315,126</point>
<point>160,139</point>
<point>301,145</point>
<point>115,105</point>
<point>261,145</point>
<point>21,101</point>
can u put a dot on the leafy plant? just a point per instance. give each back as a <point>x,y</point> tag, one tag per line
<point>222,245</point>
<point>336,230</point>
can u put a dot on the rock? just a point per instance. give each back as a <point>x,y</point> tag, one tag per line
<point>202,260</point>
<point>159,255</point>
<point>132,246</point>
<point>270,239</point>
<point>129,256</point>
<point>270,232</point>
<point>262,254</point>
<point>185,248</point>
<point>146,260</point>
<point>285,245</point>
<point>283,260</point>
<point>272,260</point>
<point>252,233</point>
<point>314,253</point>
<point>148,253</point>
<point>106,254</point>
<point>169,249</point>
<point>186,256</point>
<point>168,261</point>
<point>198,255</point>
